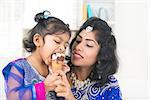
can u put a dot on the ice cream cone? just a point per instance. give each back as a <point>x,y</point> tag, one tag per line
<point>57,61</point>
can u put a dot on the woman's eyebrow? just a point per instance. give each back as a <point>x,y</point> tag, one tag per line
<point>89,40</point>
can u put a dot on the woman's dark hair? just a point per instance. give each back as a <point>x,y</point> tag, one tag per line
<point>107,63</point>
<point>46,24</point>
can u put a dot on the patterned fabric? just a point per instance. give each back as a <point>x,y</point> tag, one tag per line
<point>20,78</point>
<point>110,91</point>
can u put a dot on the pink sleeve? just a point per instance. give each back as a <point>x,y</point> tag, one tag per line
<point>40,91</point>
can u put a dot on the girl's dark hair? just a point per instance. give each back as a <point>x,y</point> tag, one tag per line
<point>46,24</point>
<point>107,63</point>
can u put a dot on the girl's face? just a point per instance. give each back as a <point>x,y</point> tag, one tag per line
<point>85,49</point>
<point>53,44</point>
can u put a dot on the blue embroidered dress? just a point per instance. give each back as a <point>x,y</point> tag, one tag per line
<point>20,78</point>
<point>110,91</point>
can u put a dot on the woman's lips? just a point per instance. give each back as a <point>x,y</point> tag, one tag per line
<point>77,55</point>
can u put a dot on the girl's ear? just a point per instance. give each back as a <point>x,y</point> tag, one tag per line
<point>38,40</point>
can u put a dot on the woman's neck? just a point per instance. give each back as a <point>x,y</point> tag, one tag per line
<point>82,72</point>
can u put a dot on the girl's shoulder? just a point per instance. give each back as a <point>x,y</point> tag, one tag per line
<point>17,64</point>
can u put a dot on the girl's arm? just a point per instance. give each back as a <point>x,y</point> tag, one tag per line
<point>14,84</point>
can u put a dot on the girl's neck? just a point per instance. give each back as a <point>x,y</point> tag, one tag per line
<point>38,64</point>
<point>82,72</point>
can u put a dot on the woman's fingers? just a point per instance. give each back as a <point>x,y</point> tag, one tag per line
<point>66,68</point>
<point>60,88</point>
<point>63,76</point>
<point>63,91</point>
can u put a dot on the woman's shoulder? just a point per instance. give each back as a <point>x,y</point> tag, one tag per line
<point>111,83</point>
<point>110,89</point>
<point>112,80</point>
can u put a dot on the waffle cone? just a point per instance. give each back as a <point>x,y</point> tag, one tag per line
<point>56,65</point>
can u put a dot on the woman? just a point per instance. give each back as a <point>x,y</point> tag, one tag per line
<point>28,78</point>
<point>93,63</point>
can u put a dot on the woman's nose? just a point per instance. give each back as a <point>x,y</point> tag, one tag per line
<point>78,46</point>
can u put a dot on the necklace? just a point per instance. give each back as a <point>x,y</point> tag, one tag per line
<point>79,84</point>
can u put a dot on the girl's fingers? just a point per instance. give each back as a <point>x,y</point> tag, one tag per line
<point>50,79</point>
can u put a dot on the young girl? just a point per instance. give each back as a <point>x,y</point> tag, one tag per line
<point>29,78</point>
<point>93,63</point>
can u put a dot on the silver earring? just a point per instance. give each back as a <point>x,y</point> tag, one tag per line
<point>99,62</point>
<point>99,77</point>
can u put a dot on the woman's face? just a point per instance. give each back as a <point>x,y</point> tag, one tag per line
<point>55,43</point>
<point>85,49</point>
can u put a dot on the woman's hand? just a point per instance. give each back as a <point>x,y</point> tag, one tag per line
<point>63,88</point>
<point>65,68</point>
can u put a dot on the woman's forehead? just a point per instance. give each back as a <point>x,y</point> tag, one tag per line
<point>88,35</point>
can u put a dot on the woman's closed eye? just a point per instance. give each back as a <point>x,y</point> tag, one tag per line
<point>88,45</point>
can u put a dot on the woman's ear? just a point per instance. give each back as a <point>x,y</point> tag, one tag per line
<point>38,40</point>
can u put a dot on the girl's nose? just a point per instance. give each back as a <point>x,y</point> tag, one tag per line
<point>62,48</point>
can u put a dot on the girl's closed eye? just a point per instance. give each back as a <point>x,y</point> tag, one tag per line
<point>56,41</point>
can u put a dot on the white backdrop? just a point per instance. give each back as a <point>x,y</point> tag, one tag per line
<point>131,30</point>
